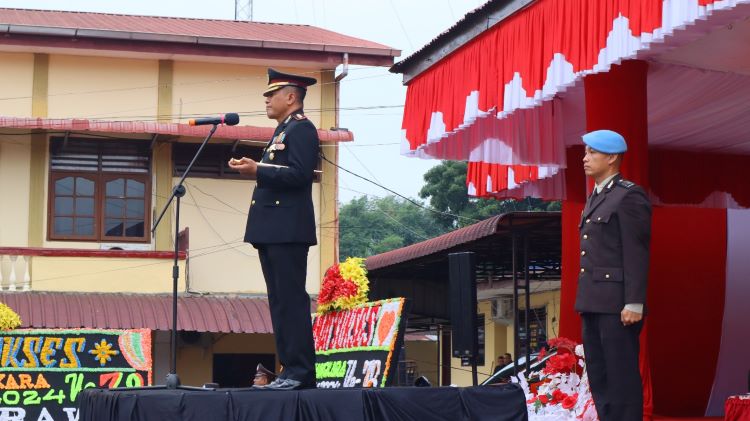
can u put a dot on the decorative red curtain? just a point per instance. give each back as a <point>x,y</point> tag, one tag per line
<point>483,177</point>
<point>686,305</point>
<point>700,179</point>
<point>525,59</point>
<point>495,100</point>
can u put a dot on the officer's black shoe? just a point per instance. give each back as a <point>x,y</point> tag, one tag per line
<point>288,384</point>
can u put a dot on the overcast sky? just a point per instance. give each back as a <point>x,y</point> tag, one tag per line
<point>403,24</point>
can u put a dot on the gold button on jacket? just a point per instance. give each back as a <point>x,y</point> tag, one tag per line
<point>615,233</point>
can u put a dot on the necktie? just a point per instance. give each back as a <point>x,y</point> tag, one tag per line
<point>592,197</point>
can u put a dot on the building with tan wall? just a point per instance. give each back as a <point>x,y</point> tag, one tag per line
<point>93,136</point>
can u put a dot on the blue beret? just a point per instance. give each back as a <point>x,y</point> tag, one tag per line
<point>606,141</point>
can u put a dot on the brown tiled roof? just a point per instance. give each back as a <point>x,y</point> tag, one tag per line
<point>228,314</point>
<point>170,29</point>
<point>152,127</point>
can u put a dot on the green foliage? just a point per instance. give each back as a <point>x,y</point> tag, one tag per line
<point>445,186</point>
<point>446,191</point>
<point>375,225</point>
<point>371,226</point>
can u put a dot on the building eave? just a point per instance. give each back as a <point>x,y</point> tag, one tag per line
<point>472,25</point>
<point>158,128</point>
<point>96,39</point>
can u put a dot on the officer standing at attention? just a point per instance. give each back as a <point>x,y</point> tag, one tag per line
<point>615,234</point>
<point>281,224</point>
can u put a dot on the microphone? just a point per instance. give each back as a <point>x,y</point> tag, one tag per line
<point>230,119</point>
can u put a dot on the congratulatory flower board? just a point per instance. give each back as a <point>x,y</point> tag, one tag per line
<point>357,347</point>
<point>43,371</point>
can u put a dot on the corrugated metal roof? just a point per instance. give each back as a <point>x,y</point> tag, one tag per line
<point>443,242</point>
<point>152,127</point>
<point>99,24</point>
<point>482,229</point>
<point>228,314</point>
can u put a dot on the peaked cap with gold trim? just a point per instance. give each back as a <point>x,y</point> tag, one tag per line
<point>278,80</point>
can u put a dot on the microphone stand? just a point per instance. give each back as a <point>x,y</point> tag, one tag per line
<point>173,380</point>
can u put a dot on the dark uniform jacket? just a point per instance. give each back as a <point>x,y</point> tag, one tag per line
<point>615,234</point>
<point>281,210</point>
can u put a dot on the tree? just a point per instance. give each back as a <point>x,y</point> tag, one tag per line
<point>446,192</point>
<point>445,186</point>
<point>371,226</point>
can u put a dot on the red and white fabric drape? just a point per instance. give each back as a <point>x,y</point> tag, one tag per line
<point>494,102</point>
<point>511,103</point>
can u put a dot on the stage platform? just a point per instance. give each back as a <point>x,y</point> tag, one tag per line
<point>500,403</point>
<point>661,418</point>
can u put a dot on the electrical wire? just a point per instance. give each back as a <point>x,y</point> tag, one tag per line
<point>203,82</point>
<point>378,205</point>
<point>229,245</point>
<point>231,209</point>
<point>252,113</point>
<point>387,189</point>
<point>399,194</point>
<point>235,244</point>
<point>208,222</point>
<point>94,135</point>
<point>401,24</point>
<point>450,9</point>
<point>361,163</point>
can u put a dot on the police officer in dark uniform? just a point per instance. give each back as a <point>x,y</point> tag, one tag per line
<point>281,224</point>
<point>615,234</point>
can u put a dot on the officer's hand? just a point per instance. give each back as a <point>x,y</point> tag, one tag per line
<point>245,166</point>
<point>629,317</point>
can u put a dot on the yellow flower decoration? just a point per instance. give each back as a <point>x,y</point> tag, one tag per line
<point>9,319</point>
<point>103,352</point>
<point>335,294</point>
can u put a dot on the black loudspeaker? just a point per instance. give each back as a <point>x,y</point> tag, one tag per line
<point>463,301</point>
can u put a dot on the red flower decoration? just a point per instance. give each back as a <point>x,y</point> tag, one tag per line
<point>335,286</point>
<point>344,286</point>
<point>543,399</point>
<point>328,290</point>
<point>562,344</point>
<point>560,363</point>
<point>558,396</point>
<point>542,354</point>
<point>570,401</point>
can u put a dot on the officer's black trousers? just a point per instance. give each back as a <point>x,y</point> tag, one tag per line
<point>285,268</point>
<point>612,365</point>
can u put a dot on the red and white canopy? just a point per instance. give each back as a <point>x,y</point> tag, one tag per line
<point>511,100</point>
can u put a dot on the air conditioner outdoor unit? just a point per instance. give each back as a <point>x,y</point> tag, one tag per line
<point>125,246</point>
<point>502,310</point>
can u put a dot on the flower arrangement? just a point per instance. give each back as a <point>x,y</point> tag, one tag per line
<point>345,286</point>
<point>560,391</point>
<point>9,319</point>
